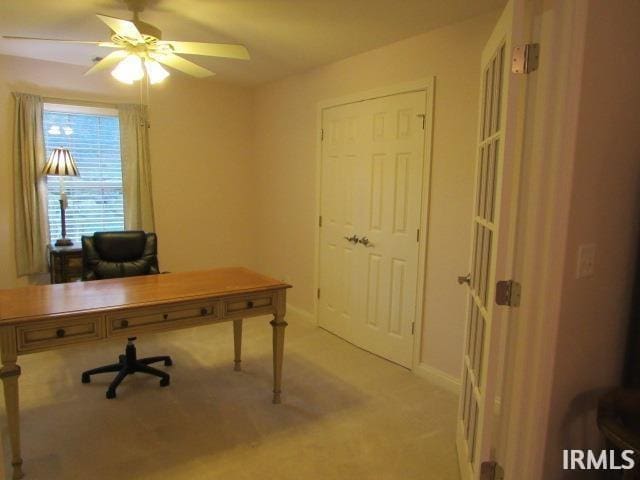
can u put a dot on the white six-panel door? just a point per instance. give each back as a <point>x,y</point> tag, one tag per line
<point>371,187</point>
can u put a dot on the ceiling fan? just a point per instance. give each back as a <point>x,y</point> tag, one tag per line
<point>139,48</point>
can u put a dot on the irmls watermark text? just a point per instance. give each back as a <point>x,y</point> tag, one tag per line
<point>597,460</point>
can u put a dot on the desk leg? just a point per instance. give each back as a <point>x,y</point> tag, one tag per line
<point>237,344</point>
<point>278,325</point>
<point>9,375</point>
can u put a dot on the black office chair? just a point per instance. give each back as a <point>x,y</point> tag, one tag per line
<point>115,255</point>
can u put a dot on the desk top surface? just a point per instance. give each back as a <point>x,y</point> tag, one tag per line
<point>38,301</point>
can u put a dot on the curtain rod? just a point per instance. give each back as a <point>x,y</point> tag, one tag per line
<point>82,103</point>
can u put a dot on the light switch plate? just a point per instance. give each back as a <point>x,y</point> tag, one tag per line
<point>586,260</point>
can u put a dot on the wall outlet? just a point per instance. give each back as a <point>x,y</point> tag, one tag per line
<point>586,260</point>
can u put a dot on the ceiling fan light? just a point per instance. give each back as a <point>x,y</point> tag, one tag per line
<point>129,70</point>
<point>157,73</point>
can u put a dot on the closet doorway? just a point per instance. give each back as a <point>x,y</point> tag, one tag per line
<point>373,173</point>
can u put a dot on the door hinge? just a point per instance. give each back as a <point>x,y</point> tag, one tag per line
<point>413,328</point>
<point>318,294</point>
<point>321,134</point>
<point>320,221</point>
<point>508,293</point>
<point>423,116</point>
<point>525,58</point>
<point>418,235</point>
<point>491,471</point>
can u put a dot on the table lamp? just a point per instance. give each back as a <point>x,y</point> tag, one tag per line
<point>62,164</point>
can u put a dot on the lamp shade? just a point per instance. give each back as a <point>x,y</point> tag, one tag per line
<point>61,163</point>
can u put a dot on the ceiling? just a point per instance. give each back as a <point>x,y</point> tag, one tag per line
<point>283,36</point>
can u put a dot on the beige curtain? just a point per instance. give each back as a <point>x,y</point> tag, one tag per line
<point>136,168</point>
<point>29,187</point>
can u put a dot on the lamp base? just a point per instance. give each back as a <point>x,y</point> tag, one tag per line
<point>64,242</point>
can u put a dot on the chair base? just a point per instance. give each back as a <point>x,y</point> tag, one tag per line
<point>129,364</point>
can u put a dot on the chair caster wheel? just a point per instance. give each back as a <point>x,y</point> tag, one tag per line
<point>165,382</point>
<point>111,394</point>
<point>168,362</point>
<point>86,378</point>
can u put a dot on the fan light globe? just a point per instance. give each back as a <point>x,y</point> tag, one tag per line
<point>155,71</point>
<point>129,70</point>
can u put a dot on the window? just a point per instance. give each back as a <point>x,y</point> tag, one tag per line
<point>95,201</point>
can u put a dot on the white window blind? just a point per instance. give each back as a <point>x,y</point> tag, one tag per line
<point>95,200</point>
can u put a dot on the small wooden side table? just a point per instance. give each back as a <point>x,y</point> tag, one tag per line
<point>65,263</point>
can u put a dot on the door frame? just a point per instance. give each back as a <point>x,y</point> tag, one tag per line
<point>549,153</point>
<point>427,85</point>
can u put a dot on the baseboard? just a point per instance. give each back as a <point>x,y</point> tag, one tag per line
<point>298,314</point>
<point>438,377</point>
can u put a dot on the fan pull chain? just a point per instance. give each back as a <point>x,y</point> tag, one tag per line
<point>140,92</point>
<point>145,95</point>
<point>148,101</point>
<point>146,81</point>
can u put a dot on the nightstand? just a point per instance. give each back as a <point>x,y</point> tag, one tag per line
<point>65,263</point>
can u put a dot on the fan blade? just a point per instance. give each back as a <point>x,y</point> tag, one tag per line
<point>100,44</point>
<point>124,28</point>
<point>179,63</point>
<point>108,61</point>
<point>210,49</point>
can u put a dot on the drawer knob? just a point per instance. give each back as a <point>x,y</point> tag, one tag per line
<point>249,304</point>
<point>203,311</point>
<point>165,316</point>
<point>124,323</point>
<point>60,333</point>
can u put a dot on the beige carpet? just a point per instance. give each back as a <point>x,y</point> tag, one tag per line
<point>346,414</point>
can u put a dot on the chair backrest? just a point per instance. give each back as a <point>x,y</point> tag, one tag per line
<point>119,254</point>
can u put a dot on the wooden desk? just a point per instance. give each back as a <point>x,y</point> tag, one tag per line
<point>39,318</point>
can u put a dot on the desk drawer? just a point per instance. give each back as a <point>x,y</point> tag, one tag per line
<point>51,334</point>
<point>254,305</point>
<point>163,317</point>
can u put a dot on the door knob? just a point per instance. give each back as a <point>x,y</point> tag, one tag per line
<point>465,279</point>
<point>353,238</point>
<point>365,241</point>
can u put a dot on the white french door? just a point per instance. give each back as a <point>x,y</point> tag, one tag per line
<point>491,246</point>
<point>371,190</point>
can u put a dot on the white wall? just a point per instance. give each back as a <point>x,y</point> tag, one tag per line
<point>285,138</point>
<point>200,149</point>
<point>605,210</point>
